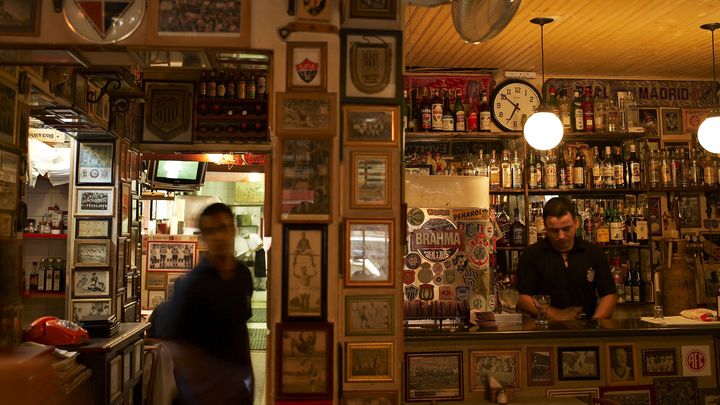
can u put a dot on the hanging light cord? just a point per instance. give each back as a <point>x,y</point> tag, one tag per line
<point>714,86</point>
<point>542,54</point>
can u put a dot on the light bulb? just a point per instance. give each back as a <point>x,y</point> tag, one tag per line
<point>709,134</point>
<point>543,130</point>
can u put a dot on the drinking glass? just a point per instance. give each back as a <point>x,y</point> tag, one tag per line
<point>542,303</point>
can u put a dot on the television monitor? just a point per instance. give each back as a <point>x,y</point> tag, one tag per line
<point>176,174</point>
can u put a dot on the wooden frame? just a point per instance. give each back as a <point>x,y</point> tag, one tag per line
<point>92,282</point>
<point>369,315</point>
<point>369,362</point>
<point>659,362</point>
<point>368,125</point>
<point>125,207</point>
<point>676,390</point>
<point>304,279</point>
<point>378,82</point>
<point>693,117</point>
<point>362,397</point>
<point>649,119</point>
<point>492,363</point>
<point>94,164</point>
<point>384,10</point>
<point>121,263</point>
<point>585,394</point>
<point>708,396</point>
<point>8,96</point>
<point>419,170</point>
<point>306,114</point>
<point>92,253</point>
<point>690,211</point>
<point>98,202</point>
<point>571,368</point>
<point>445,367</point>
<point>155,298</point>
<point>29,22</point>
<point>370,252</point>
<point>540,366</point>
<point>671,121</point>
<point>621,365</point>
<point>9,183</point>
<point>84,308</point>
<point>314,11</point>
<point>307,167</point>
<point>304,362</point>
<point>23,125</point>
<point>636,394</point>
<point>161,252</point>
<point>115,377</point>
<point>306,66</point>
<point>371,180</point>
<point>156,281</point>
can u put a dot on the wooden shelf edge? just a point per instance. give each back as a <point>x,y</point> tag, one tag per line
<point>44,236</point>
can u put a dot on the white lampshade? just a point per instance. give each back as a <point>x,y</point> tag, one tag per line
<point>543,130</point>
<point>709,134</point>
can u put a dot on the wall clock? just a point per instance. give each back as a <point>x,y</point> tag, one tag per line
<point>510,101</point>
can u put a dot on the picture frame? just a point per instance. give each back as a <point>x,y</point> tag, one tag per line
<point>306,66</point>
<point>369,362</point>
<point>582,394</point>
<point>371,125</point>
<point>8,95</point>
<point>636,394</point>
<point>9,182</point>
<point>371,83</point>
<point>693,117</point>
<point>370,252</point>
<point>504,365</point>
<point>97,201</point>
<point>369,315</point>
<point>84,308</point>
<point>690,211</point>
<point>578,363</point>
<point>306,114</point>
<point>306,165</point>
<point>656,362</point>
<point>155,298</point>
<point>676,390</point>
<point>649,120</point>
<point>92,282</point>
<point>138,356</point>
<point>130,312</point>
<point>168,112</point>
<point>94,165</point>
<point>171,255</point>
<point>418,170</point>
<point>364,397</point>
<point>540,366</point>
<point>125,201</point>
<point>306,373</point>
<point>304,272</point>
<point>709,396</point>
<point>371,180</point>
<point>383,9</point>
<point>92,253</point>
<point>115,377</point>
<point>445,369</point>
<point>121,263</point>
<point>23,17</point>
<point>671,121</point>
<point>156,281</point>
<point>314,11</point>
<point>23,126</point>
<point>123,161</point>
<point>621,363</point>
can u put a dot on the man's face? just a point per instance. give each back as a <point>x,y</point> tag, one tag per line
<point>561,232</point>
<point>620,357</point>
<point>218,233</point>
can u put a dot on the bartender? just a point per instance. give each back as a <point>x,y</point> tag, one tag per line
<point>575,273</point>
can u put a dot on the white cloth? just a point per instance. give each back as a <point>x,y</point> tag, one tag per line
<point>159,375</point>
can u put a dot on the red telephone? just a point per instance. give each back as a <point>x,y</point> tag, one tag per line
<point>50,330</point>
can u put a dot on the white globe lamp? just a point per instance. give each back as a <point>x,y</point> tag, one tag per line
<point>709,130</point>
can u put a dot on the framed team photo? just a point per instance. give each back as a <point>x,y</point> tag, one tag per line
<point>171,255</point>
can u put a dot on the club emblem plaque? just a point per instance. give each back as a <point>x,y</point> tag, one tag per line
<point>370,66</point>
<point>168,111</point>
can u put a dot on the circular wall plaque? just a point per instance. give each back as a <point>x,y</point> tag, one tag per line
<point>103,22</point>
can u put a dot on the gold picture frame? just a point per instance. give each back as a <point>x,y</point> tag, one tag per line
<point>371,125</point>
<point>371,180</point>
<point>494,363</point>
<point>622,364</point>
<point>369,362</point>
<point>92,253</point>
<point>370,252</point>
<point>306,114</point>
<point>306,66</point>
<point>305,187</point>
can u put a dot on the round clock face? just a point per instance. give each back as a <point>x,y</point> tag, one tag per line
<point>510,101</point>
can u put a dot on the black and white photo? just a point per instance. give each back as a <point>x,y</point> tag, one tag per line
<point>94,201</point>
<point>91,283</point>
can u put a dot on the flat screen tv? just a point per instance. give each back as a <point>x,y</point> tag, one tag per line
<point>176,174</point>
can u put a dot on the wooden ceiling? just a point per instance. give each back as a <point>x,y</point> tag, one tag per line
<point>603,38</point>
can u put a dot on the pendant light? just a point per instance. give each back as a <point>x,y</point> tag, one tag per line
<point>709,130</point>
<point>543,130</point>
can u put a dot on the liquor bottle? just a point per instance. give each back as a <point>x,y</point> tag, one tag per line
<point>459,113</point>
<point>602,230</point>
<point>649,291</point>
<point>709,172</point>
<point>613,117</point>
<point>220,88</point>
<point>618,279</point>
<point>481,167</point>
<point>484,113</point>
<point>261,91</point>
<point>588,223</point>
<point>539,221</point>
<point>674,168</point>
<point>539,171</point>
<point>562,171</point>
<point>517,172</point>
<point>632,167</point>
<point>405,112</point>
<point>532,231</point>
<point>566,112</point>
<point>616,228</point>
<point>641,227</point>
<point>211,85</point>
<point>494,172</point>
<point>518,230</point>
<point>654,169</point>
<point>48,276</point>
<point>619,168</point>
<point>41,275</point>
<point>695,171</point>
<point>633,115</point>
<point>505,225</point>
<point>600,115</point>
<point>425,111</point>
<point>472,116</point>
<point>665,169</point>
<point>34,277</point>
<point>532,178</point>
<point>55,274</point>
<point>447,120</point>
<point>597,169</point>
<point>202,86</point>
<point>637,284</point>
<point>436,106</point>
<point>550,176</point>
<point>629,285</point>
<point>578,117</point>
<point>230,86</point>
<point>579,169</point>
<point>553,102</point>
<point>588,109</point>
<point>468,169</point>
<point>684,168</point>
<point>251,87</point>
<point>241,87</point>
<point>505,170</point>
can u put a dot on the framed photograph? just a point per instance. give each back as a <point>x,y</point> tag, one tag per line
<point>95,163</point>
<point>676,390</point>
<point>250,192</point>
<point>434,376</point>
<point>8,94</point>
<point>125,206</point>
<point>635,395</point>
<point>578,363</point>
<point>91,283</point>
<point>168,112</point>
<point>371,180</point>
<point>419,170</point>
<point>712,282</point>
<point>659,362</point>
<point>690,211</point>
<point>304,272</point>
<point>22,17</point>
<point>304,362</point>
<point>84,308</point>
<point>156,281</point>
<point>115,377</point>
<point>171,255</point>
<point>306,66</point>
<point>94,201</point>
<point>693,117</point>
<point>365,125</point>
<point>582,394</point>
<point>369,246</point>
<point>380,9</point>
<point>121,263</point>
<point>93,253</point>
<point>649,120</point>
<point>655,216</point>
<point>369,362</point>
<point>306,177</point>
<point>369,315</point>
<point>306,114</point>
<point>370,66</point>
<point>671,121</point>
<point>540,370</point>
<point>709,396</point>
<point>503,365</point>
<point>621,365</point>
<point>155,298</point>
<point>369,397</point>
<point>23,125</point>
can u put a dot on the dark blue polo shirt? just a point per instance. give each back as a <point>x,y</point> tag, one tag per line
<point>542,271</point>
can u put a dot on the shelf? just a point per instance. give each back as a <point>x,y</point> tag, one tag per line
<point>587,191</point>
<point>44,294</point>
<point>500,136</point>
<point>44,236</point>
<point>684,189</point>
<point>510,248</point>
<point>502,191</point>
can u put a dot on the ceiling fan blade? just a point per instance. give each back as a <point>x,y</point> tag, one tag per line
<point>481,20</point>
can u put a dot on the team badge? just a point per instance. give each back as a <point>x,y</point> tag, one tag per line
<point>104,21</point>
<point>307,70</point>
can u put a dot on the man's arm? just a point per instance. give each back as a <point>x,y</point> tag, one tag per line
<point>605,307</point>
<point>526,303</point>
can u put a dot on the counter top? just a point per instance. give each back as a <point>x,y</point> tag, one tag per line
<point>127,332</point>
<point>565,329</point>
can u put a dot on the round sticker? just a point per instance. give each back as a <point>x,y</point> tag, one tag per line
<point>438,279</point>
<point>408,276</point>
<point>437,268</point>
<point>412,261</point>
<point>416,216</point>
<point>425,275</point>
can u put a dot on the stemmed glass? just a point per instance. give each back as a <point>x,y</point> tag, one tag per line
<point>542,303</point>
